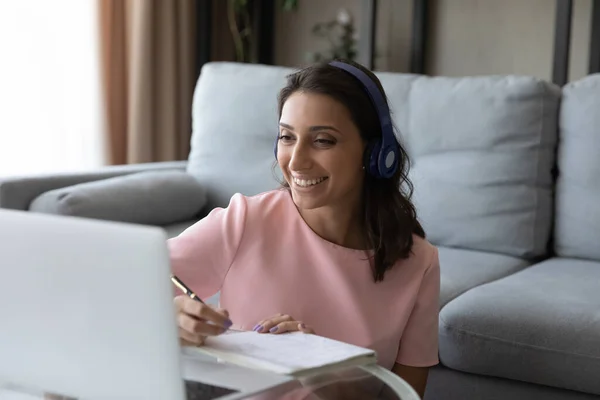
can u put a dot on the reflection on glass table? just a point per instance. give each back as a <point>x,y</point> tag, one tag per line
<point>350,384</point>
<point>366,382</point>
<point>206,379</point>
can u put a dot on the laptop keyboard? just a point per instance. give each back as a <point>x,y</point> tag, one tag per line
<point>203,391</point>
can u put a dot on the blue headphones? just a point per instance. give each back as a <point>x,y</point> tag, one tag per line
<point>382,155</point>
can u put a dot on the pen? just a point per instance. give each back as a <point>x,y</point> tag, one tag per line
<point>185,289</point>
<point>191,294</point>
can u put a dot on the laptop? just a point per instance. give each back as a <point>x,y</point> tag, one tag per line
<point>86,309</point>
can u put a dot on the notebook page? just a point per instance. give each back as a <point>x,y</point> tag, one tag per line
<point>294,351</point>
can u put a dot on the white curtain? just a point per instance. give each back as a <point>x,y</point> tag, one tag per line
<point>50,95</point>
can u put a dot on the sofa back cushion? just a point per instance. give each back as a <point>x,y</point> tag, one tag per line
<point>482,149</point>
<point>577,226</point>
<point>235,123</point>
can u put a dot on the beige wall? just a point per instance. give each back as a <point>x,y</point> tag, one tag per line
<point>580,39</point>
<point>466,37</point>
<point>474,37</point>
<point>394,35</point>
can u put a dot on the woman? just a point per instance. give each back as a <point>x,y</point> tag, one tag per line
<point>338,250</point>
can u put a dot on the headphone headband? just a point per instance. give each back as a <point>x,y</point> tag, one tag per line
<point>373,91</point>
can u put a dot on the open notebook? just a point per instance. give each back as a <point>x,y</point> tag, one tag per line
<point>296,353</point>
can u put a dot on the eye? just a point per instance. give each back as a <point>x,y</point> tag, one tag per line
<point>325,142</point>
<point>285,138</point>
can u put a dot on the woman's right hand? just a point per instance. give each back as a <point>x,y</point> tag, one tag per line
<point>197,320</point>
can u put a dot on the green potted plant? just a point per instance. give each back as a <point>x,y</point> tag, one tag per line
<point>340,33</point>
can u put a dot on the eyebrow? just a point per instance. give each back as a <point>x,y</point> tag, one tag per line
<point>312,128</point>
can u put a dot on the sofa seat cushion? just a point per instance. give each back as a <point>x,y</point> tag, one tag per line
<point>540,325</point>
<point>462,270</point>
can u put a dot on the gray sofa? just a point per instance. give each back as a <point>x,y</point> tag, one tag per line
<point>507,183</point>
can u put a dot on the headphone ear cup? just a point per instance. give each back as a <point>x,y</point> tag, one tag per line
<point>388,161</point>
<point>371,158</point>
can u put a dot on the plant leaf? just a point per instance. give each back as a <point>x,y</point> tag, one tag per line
<point>289,5</point>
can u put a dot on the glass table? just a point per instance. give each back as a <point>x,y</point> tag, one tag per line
<point>206,378</point>
<point>364,383</point>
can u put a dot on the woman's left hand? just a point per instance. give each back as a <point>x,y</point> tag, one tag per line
<point>281,323</point>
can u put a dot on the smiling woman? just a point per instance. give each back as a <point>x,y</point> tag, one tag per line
<point>338,250</point>
<point>336,125</point>
<point>50,79</point>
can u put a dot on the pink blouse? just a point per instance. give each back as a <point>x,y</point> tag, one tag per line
<point>265,260</point>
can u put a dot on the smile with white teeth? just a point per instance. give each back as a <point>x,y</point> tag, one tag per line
<point>308,182</point>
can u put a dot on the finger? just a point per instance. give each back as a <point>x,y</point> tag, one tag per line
<point>265,325</point>
<point>178,301</point>
<point>306,329</point>
<point>264,321</point>
<point>259,326</point>
<point>222,311</point>
<point>197,326</point>
<point>205,312</point>
<point>288,326</point>
<point>190,337</point>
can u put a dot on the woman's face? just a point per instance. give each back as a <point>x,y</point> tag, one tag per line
<point>320,151</point>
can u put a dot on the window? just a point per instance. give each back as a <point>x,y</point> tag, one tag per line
<point>50,94</point>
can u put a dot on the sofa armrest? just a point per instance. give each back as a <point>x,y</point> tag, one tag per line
<point>18,192</point>
<point>151,197</point>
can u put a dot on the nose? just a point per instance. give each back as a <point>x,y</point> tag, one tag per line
<point>300,157</point>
